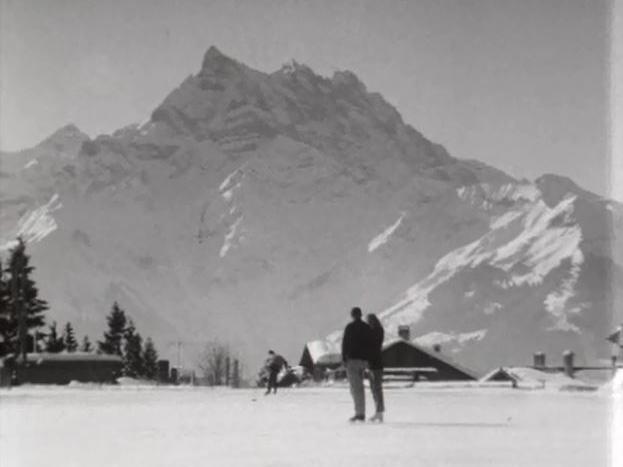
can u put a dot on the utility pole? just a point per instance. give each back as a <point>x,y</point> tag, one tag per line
<point>179,354</point>
<point>227,371</point>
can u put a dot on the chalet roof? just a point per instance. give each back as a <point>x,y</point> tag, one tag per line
<point>615,336</point>
<point>323,352</point>
<point>528,375</point>
<point>432,353</point>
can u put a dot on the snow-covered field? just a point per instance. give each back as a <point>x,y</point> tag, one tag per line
<point>116,426</point>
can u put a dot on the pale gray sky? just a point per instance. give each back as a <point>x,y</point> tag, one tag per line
<point>520,84</point>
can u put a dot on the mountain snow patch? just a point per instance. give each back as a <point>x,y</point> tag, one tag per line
<point>483,195</point>
<point>538,242</point>
<point>30,164</point>
<point>516,192</point>
<point>504,219</point>
<point>230,237</point>
<point>541,246</point>
<point>436,337</point>
<point>555,303</point>
<point>35,225</point>
<point>382,238</point>
<point>230,184</point>
<point>492,308</point>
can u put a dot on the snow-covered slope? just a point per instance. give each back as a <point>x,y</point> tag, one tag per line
<point>259,208</point>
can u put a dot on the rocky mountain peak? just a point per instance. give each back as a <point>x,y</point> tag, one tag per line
<point>69,134</point>
<point>556,187</point>
<point>348,79</point>
<point>316,190</point>
<point>217,63</point>
<point>68,131</point>
<point>292,67</point>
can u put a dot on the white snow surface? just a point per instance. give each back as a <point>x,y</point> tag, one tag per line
<point>160,426</point>
<point>616,384</point>
<point>382,238</point>
<point>34,225</point>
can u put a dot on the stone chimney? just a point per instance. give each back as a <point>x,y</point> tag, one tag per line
<point>567,358</point>
<point>404,332</point>
<point>539,360</point>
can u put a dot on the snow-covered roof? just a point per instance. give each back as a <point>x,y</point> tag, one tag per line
<point>40,357</point>
<point>533,376</point>
<point>323,352</point>
<point>71,356</point>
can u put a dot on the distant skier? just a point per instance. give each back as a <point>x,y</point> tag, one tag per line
<point>356,345</point>
<point>375,366</point>
<point>274,364</point>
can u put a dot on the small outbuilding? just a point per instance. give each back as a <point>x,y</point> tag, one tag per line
<point>61,368</point>
<point>533,378</point>
<point>402,359</point>
<point>319,356</point>
<point>403,356</point>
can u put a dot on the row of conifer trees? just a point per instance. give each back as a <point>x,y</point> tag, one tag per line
<point>22,316</point>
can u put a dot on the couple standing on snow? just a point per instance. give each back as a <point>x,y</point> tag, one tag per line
<point>361,349</point>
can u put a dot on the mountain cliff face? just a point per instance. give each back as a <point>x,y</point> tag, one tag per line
<point>259,208</point>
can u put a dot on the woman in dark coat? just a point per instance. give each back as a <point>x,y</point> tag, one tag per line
<point>375,365</point>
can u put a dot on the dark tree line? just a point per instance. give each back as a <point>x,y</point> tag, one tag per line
<point>140,359</point>
<point>21,308</point>
<point>22,311</point>
<point>22,317</point>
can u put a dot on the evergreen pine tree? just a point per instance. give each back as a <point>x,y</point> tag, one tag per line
<point>113,338</point>
<point>150,360</point>
<point>86,345</point>
<point>133,353</point>
<point>54,344</point>
<point>69,338</point>
<point>5,315</point>
<point>19,292</point>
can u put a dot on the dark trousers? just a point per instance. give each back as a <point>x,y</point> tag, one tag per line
<point>272,381</point>
<point>376,387</point>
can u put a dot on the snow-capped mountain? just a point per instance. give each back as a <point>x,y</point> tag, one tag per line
<point>259,208</point>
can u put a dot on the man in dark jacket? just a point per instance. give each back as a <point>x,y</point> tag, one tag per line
<point>356,344</point>
<point>274,364</point>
